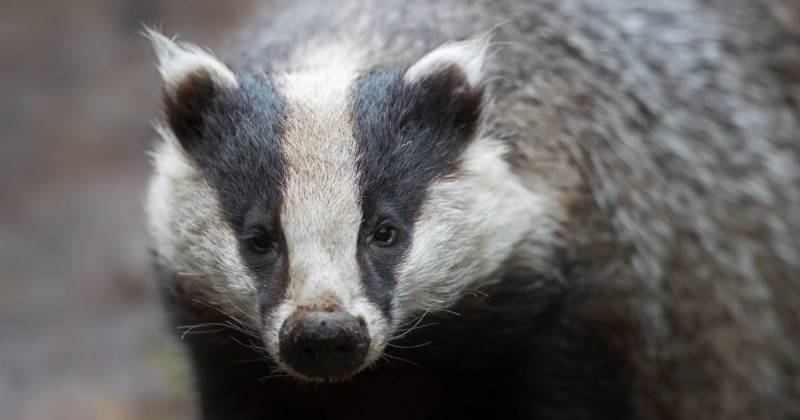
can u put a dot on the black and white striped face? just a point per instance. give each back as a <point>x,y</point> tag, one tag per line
<point>328,206</point>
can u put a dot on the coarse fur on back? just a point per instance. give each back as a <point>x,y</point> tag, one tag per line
<point>549,209</point>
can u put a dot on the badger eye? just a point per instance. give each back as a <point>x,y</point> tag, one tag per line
<point>385,235</point>
<point>260,243</point>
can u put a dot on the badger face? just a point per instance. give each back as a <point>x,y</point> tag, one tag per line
<point>325,208</point>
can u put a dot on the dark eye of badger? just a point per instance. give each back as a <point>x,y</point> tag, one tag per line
<point>260,243</point>
<point>385,235</point>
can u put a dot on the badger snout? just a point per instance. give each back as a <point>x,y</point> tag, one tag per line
<point>324,344</point>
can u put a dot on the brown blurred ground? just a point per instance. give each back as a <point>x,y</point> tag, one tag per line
<point>81,334</point>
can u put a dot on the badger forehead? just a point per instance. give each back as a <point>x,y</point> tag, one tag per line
<point>320,211</point>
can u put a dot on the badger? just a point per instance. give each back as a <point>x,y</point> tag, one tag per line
<point>548,209</point>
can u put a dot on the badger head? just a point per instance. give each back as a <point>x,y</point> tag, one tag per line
<point>326,207</point>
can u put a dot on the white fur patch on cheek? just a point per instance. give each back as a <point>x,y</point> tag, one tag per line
<point>467,227</point>
<point>191,237</point>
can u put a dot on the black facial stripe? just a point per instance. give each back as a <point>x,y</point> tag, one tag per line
<point>233,135</point>
<point>407,136</point>
<point>233,138</point>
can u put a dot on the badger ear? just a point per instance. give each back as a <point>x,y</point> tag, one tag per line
<point>447,86</point>
<point>466,57</point>
<point>192,77</point>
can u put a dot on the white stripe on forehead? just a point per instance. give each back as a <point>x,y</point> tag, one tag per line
<point>321,213</point>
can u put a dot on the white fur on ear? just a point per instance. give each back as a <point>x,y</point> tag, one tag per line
<point>177,60</point>
<point>469,56</point>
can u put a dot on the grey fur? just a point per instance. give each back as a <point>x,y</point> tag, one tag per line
<point>672,124</point>
<point>682,117</point>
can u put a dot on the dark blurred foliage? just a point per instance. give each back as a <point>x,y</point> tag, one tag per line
<point>81,333</point>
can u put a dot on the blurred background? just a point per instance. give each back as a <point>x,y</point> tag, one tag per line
<point>81,332</point>
<point>82,335</point>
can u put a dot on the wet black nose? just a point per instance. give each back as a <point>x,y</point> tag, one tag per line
<point>324,344</point>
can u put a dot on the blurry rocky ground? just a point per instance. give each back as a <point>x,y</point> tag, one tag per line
<point>81,333</point>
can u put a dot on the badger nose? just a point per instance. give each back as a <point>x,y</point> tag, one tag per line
<point>324,344</point>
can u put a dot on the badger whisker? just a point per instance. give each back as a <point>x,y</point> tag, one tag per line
<point>251,346</point>
<point>414,320</point>
<point>274,373</point>
<point>414,325</point>
<point>477,292</point>
<point>245,313</point>
<point>416,346</point>
<point>268,377</point>
<point>390,356</point>
<point>243,331</point>
<point>187,329</point>
<point>408,331</point>
<point>245,327</point>
<point>449,311</point>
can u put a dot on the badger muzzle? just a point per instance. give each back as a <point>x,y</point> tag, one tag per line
<point>322,344</point>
